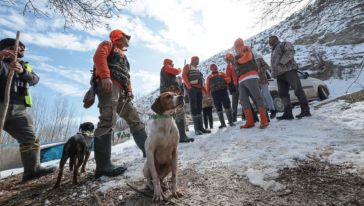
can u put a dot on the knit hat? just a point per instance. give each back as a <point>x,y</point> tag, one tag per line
<point>213,67</point>
<point>167,62</point>
<point>118,34</point>
<point>9,42</point>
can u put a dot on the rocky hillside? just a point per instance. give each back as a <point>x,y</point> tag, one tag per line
<point>328,37</point>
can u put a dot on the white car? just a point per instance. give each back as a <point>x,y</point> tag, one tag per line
<point>315,89</point>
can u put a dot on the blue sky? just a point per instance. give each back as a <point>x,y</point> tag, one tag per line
<point>160,29</point>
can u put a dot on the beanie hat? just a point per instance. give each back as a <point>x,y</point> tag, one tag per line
<point>229,57</point>
<point>238,42</point>
<point>167,62</point>
<point>9,42</point>
<point>117,34</point>
<point>213,67</point>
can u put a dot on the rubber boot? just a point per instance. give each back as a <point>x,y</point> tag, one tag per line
<point>139,137</point>
<point>287,114</point>
<point>305,111</point>
<point>200,125</point>
<point>229,116</point>
<point>249,119</point>
<point>104,167</point>
<point>211,122</point>
<point>183,138</point>
<point>221,118</point>
<point>235,116</point>
<point>30,157</point>
<point>195,120</point>
<point>263,117</point>
<point>206,122</point>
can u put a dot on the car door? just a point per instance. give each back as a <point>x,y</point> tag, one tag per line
<point>307,85</point>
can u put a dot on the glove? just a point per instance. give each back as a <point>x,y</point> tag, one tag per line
<point>232,88</point>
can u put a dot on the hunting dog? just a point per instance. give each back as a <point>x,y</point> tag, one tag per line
<point>78,149</point>
<point>161,146</point>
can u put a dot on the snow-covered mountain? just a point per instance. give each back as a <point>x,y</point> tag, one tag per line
<point>327,35</point>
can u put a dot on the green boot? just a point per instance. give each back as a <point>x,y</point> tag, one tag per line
<point>196,120</point>
<point>30,157</point>
<point>104,167</point>
<point>139,137</point>
<point>229,117</point>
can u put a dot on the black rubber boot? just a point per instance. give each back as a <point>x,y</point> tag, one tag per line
<point>229,115</point>
<point>206,122</point>
<point>222,120</point>
<point>30,157</point>
<point>104,167</point>
<point>139,137</point>
<point>235,116</point>
<point>200,125</point>
<point>272,114</point>
<point>287,115</point>
<point>305,111</point>
<point>196,120</point>
<point>183,138</point>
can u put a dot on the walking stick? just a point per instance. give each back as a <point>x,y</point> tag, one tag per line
<point>7,92</point>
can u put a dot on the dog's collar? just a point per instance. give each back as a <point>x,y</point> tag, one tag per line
<point>160,116</point>
<point>87,133</point>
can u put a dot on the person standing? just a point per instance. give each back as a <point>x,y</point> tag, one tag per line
<point>217,85</point>
<point>193,80</point>
<point>263,84</point>
<point>284,68</point>
<point>18,123</point>
<point>233,85</point>
<point>207,111</point>
<point>247,73</point>
<point>169,83</point>
<point>115,94</point>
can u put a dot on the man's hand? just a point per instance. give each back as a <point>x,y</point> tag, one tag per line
<point>16,67</point>
<point>7,54</point>
<point>106,84</point>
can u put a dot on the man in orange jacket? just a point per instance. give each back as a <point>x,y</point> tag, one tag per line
<point>247,73</point>
<point>193,79</point>
<point>168,83</point>
<point>115,94</point>
<point>217,85</point>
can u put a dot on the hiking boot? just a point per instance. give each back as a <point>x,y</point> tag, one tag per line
<point>104,167</point>
<point>272,114</point>
<point>221,119</point>
<point>30,157</point>
<point>229,116</point>
<point>287,115</point>
<point>303,114</point>
<point>183,138</point>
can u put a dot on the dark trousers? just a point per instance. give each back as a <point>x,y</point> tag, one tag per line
<point>221,99</point>
<point>284,82</point>
<point>235,101</point>
<point>195,95</point>
<point>207,117</point>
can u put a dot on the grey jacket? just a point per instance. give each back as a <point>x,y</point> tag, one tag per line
<point>282,58</point>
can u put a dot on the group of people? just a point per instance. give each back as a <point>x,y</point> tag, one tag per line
<point>244,77</point>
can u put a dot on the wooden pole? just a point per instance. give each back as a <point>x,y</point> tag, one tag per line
<point>7,92</point>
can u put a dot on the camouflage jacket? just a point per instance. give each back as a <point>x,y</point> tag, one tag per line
<point>282,58</point>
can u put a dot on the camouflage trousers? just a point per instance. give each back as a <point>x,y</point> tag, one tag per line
<point>112,104</point>
<point>18,123</point>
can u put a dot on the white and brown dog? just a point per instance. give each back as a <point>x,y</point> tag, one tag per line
<point>161,146</point>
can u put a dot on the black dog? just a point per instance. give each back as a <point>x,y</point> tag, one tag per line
<point>78,149</point>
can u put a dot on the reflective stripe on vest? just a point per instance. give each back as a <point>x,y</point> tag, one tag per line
<point>28,97</point>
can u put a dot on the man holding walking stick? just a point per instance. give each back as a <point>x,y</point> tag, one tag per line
<point>17,122</point>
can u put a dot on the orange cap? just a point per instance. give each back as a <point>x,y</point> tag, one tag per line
<point>117,34</point>
<point>213,67</point>
<point>167,62</point>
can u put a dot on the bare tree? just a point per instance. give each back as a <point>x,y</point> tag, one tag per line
<point>88,13</point>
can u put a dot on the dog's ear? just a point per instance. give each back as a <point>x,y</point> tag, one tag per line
<point>157,106</point>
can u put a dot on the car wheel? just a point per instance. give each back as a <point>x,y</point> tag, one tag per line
<point>323,93</point>
<point>278,103</point>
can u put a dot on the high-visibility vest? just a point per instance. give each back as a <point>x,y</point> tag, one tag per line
<point>28,96</point>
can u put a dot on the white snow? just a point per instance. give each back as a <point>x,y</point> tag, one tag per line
<point>335,133</point>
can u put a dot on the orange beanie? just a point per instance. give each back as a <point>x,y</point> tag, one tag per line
<point>117,34</point>
<point>167,62</point>
<point>213,67</point>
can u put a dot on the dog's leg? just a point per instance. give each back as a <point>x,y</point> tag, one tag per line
<point>174,191</point>
<point>83,169</point>
<point>76,164</point>
<point>61,167</point>
<point>158,193</point>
